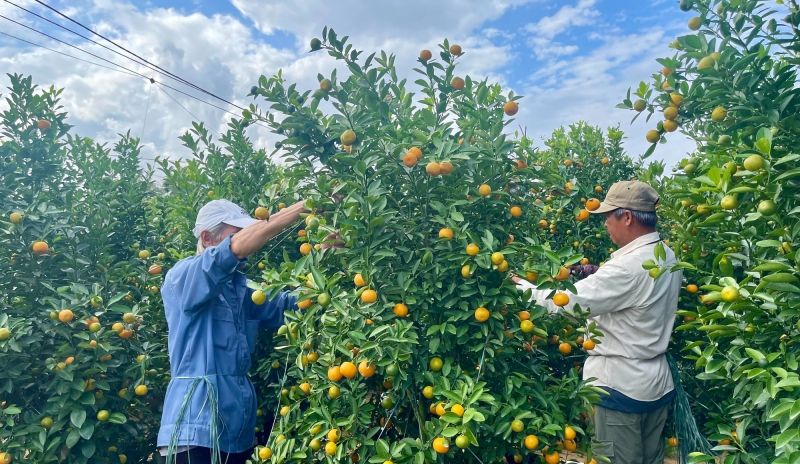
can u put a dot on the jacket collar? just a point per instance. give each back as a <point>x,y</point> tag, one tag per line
<point>646,239</point>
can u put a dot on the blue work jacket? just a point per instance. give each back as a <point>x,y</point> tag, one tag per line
<point>213,324</point>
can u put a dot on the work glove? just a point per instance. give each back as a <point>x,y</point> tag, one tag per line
<point>584,270</point>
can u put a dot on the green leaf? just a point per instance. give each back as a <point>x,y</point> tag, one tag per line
<point>788,382</point>
<point>786,437</point>
<point>755,354</point>
<point>117,418</point>
<point>77,417</point>
<point>73,438</point>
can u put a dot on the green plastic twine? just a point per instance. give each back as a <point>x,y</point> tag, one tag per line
<point>689,437</point>
<point>211,398</point>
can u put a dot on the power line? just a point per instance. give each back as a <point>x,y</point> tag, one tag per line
<point>129,71</point>
<point>70,30</point>
<point>67,55</point>
<point>167,73</point>
<point>73,46</point>
<point>184,108</point>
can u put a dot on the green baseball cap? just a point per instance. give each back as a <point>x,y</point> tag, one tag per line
<point>630,195</point>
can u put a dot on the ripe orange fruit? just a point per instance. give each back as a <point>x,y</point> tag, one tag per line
<point>569,433</point>
<point>400,310</point>
<point>510,108</point>
<point>300,233</point>
<point>126,333</point>
<point>561,299</point>
<point>15,218</point>
<point>348,369</point>
<point>543,223</point>
<point>472,249</point>
<point>516,211</point>
<point>563,273</point>
<point>445,167</point>
<point>416,152</point>
<point>441,446</point>
<point>425,55</point>
<point>366,369</point>
<point>521,164</point>
<point>582,215</point>
<point>265,453</point>
<point>531,442</point>
<point>261,213</point>
<point>673,442</point>
<point>65,315</point>
<point>369,296</point>
<point>497,257</point>
<point>359,280</point>
<point>588,345</point>
<point>692,288</point>
<point>439,409</point>
<point>485,190</point>
<point>552,458</point>
<point>457,83</point>
<point>458,410</point>
<point>305,249</point>
<point>154,269</point>
<point>410,160</point>
<point>334,374</point>
<point>570,445</point>
<point>565,348</point>
<point>40,247</point>
<point>141,390</point>
<point>455,50</point>
<point>42,124</point>
<point>592,204</point>
<point>305,304</point>
<point>465,273</point>
<point>482,314</point>
<point>503,266</point>
<point>446,233</point>
<point>433,169</point>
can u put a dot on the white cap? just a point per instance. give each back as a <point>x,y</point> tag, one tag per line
<point>218,212</point>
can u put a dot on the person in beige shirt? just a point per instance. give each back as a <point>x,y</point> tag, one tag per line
<point>635,313</point>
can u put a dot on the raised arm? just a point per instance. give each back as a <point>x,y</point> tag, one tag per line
<point>609,289</point>
<point>252,238</point>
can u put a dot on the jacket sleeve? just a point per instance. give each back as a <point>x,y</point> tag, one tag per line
<point>197,280</point>
<point>608,290</point>
<point>271,312</point>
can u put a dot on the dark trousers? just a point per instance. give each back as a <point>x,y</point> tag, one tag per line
<point>200,455</point>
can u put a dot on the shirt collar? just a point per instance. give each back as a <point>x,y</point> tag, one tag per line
<point>637,243</point>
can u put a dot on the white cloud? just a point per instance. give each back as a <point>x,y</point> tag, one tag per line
<point>224,55</point>
<point>579,15</point>
<point>588,86</point>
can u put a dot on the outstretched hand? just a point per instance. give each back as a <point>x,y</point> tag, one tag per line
<point>332,240</point>
<point>584,270</point>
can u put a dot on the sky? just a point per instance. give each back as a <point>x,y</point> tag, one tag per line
<point>571,60</point>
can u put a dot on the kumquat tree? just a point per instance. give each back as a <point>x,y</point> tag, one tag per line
<point>732,87</point>
<point>412,341</point>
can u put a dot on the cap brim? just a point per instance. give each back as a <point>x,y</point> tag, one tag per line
<point>604,208</point>
<point>241,222</point>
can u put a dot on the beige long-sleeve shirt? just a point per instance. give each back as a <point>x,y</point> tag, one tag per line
<point>635,313</point>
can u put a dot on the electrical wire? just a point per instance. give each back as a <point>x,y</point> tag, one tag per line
<point>70,30</point>
<point>125,70</point>
<point>67,54</point>
<point>163,71</point>
<point>184,108</point>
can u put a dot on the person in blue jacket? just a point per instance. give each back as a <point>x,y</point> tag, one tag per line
<point>210,407</point>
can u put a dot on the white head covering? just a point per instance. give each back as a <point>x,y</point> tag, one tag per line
<point>218,212</point>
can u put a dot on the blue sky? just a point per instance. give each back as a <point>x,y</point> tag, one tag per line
<point>572,59</point>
